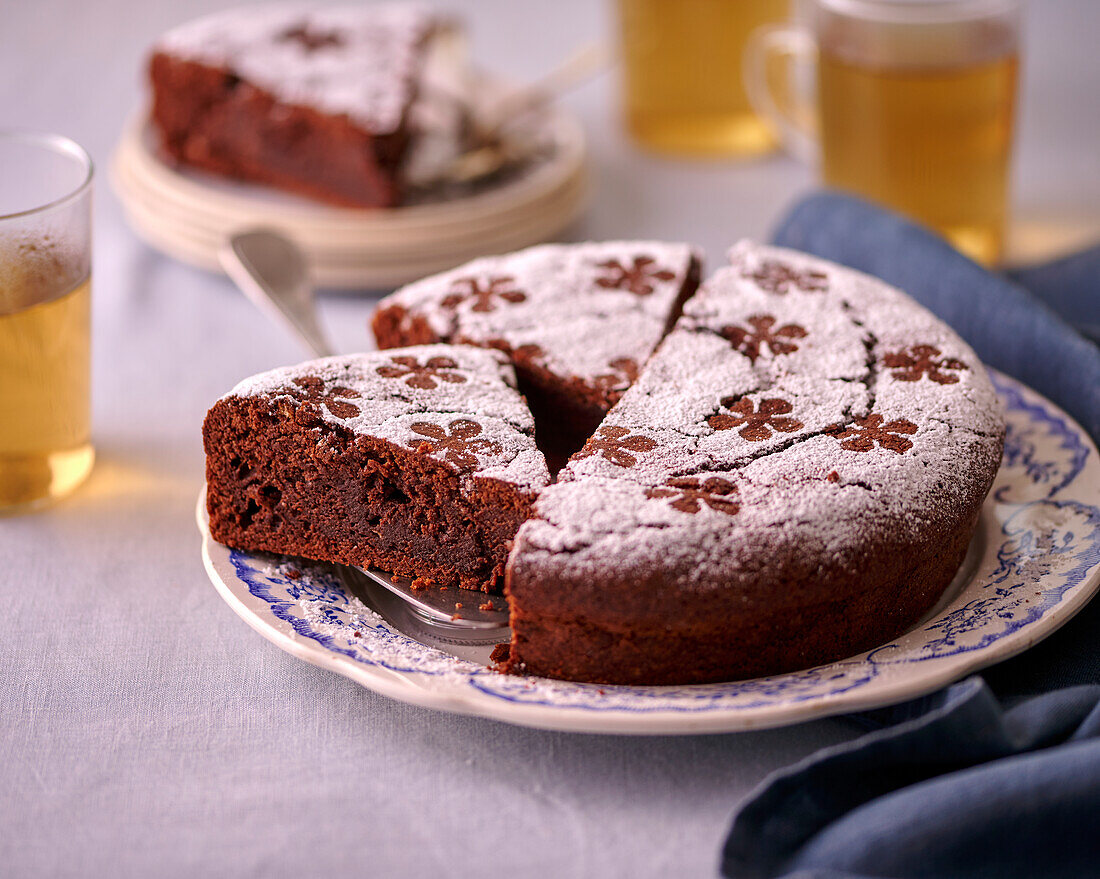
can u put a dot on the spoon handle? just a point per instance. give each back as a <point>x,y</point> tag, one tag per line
<point>271,271</point>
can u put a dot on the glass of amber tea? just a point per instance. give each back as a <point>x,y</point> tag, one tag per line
<point>915,106</point>
<point>45,319</point>
<point>682,74</point>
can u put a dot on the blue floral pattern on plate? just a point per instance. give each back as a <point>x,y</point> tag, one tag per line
<point>1040,562</point>
<point>1043,445</point>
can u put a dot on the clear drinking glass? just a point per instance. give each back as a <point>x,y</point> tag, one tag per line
<point>682,85</point>
<point>915,106</point>
<point>45,318</point>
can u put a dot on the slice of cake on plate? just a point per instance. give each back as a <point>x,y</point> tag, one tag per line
<point>316,100</point>
<point>420,461</point>
<point>579,321</point>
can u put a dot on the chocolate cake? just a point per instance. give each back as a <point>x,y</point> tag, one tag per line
<point>418,461</point>
<point>313,100</point>
<point>791,477</point>
<point>578,320</point>
<point>794,478</point>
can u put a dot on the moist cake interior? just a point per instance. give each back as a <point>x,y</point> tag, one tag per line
<point>367,503</point>
<point>341,460</point>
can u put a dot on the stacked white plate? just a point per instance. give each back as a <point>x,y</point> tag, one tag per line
<point>188,215</point>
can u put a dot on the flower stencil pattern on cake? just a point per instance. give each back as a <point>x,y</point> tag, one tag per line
<point>637,277</point>
<point>311,391</point>
<point>425,376</point>
<point>529,352</point>
<point>617,445</point>
<point>755,424</point>
<point>624,373</point>
<point>762,333</point>
<point>520,353</point>
<point>456,443</point>
<point>485,294</point>
<point>777,277</point>
<point>311,40</point>
<point>689,494</point>
<point>866,433</point>
<point>917,361</point>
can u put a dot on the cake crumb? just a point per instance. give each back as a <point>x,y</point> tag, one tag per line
<point>420,584</point>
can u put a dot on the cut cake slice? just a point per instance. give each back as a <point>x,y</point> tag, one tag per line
<point>312,100</point>
<point>420,462</point>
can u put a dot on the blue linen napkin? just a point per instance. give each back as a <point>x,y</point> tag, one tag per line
<point>1071,286</point>
<point>964,790</point>
<point>982,779</point>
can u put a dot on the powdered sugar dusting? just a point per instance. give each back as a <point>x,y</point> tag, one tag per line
<point>455,403</point>
<point>824,445</point>
<point>589,308</point>
<point>360,61</point>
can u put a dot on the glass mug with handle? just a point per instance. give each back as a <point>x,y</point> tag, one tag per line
<point>682,88</point>
<point>915,106</point>
<point>45,318</point>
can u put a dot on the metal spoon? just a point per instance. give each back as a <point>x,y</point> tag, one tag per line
<point>271,271</point>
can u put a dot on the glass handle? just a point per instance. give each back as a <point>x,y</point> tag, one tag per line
<point>793,116</point>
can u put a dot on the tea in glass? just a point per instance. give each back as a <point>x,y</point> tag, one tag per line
<point>917,112</point>
<point>45,319</point>
<point>682,80</point>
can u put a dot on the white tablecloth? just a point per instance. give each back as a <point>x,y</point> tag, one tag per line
<point>146,731</point>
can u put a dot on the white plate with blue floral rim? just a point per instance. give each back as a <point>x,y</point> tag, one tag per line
<point>1033,564</point>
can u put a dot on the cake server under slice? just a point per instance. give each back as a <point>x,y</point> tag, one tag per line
<point>445,607</point>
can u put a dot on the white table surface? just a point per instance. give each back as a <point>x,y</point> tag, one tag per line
<point>148,732</point>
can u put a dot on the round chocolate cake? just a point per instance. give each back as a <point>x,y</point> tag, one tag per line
<point>793,476</point>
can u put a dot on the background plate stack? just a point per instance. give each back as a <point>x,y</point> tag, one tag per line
<point>188,215</point>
